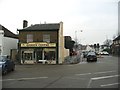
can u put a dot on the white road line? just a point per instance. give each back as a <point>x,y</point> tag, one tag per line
<point>104,72</point>
<point>83,74</point>
<point>23,78</point>
<point>70,65</point>
<point>82,63</point>
<point>97,78</point>
<point>89,83</point>
<point>109,84</point>
<point>96,73</point>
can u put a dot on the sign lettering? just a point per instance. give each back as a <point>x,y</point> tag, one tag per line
<point>38,45</point>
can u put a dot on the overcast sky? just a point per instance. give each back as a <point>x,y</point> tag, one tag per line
<point>98,19</point>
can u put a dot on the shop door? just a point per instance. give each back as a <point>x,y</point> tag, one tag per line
<point>39,55</point>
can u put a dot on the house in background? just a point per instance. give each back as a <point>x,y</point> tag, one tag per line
<point>41,42</point>
<point>87,48</point>
<point>8,42</point>
<point>116,46</point>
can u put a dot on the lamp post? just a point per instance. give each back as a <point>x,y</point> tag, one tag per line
<point>76,37</point>
<point>76,40</point>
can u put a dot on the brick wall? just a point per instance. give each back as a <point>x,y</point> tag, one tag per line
<point>37,36</point>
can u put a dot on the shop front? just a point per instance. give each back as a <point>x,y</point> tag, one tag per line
<point>31,53</point>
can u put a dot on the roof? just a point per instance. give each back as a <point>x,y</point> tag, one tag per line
<point>8,33</point>
<point>117,38</point>
<point>55,26</point>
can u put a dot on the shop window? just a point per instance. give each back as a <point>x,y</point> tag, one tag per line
<point>28,56</point>
<point>49,54</point>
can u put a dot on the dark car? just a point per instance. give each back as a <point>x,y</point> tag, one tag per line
<point>85,54</point>
<point>91,56</point>
<point>6,65</point>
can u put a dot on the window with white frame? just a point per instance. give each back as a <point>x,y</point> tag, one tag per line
<point>29,38</point>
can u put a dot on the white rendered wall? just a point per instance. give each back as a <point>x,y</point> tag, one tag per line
<point>8,44</point>
<point>1,41</point>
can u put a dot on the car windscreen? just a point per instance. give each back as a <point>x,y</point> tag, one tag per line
<point>91,53</point>
<point>3,58</point>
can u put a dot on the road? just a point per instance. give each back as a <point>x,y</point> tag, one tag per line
<point>100,74</point>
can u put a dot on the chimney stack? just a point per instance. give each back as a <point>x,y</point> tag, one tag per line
<point>25,23</point>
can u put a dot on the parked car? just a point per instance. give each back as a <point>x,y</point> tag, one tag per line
<point>6,65</point>
<point>91,56</point>
<point>85,54</point>
<point>104,53</point>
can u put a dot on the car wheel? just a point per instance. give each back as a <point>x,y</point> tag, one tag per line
<point>5,71</point>
<point>13,69</point>
<point>87,60</point>
<point>46,62</point>
<point>95,60</point>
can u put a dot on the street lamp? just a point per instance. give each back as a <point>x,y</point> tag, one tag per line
<point>76,36</point>
<point>76,40</point>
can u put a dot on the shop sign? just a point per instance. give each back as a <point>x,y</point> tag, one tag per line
<point>38,44</point>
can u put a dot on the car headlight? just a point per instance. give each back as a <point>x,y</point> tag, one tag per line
<point>0,65</point>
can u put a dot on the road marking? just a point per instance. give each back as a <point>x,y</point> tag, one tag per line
<point>24,79</point>
<point>109,84</point>
<point>96,73</point>
<point>70,65</point>
<point>83,74</point>
<point>97,78</point>
<point>104,72</point>
<point>89,83</point>
<point>83,62</point>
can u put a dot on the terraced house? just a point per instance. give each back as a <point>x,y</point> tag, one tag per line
<point>41,42</point>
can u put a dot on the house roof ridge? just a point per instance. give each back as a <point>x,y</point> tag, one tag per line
<point>7,32</point>
<point>117,38</point>
<point>45,26</point>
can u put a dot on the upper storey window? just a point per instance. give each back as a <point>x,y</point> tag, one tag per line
<point>29,38</point>
<point>46,38</point>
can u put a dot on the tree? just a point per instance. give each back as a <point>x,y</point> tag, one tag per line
<point>107,42</point>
